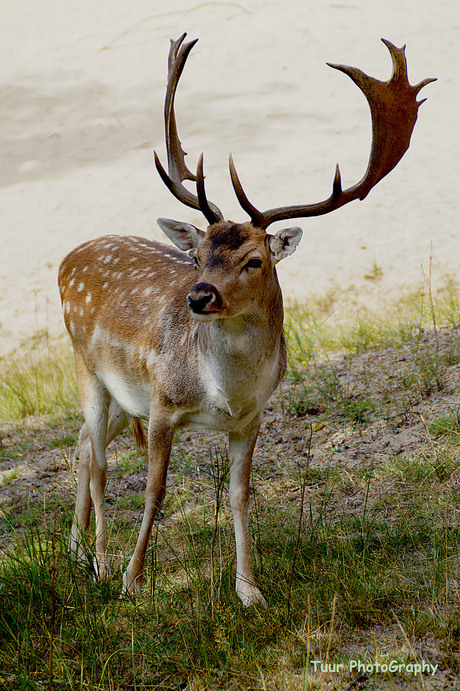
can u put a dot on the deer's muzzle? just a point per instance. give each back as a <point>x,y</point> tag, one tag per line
<point>204,299</point>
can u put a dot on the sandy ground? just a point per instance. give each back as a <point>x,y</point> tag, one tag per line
<point>82,97</point>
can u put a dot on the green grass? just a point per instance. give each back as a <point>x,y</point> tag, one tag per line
<point>365,568</point>
<point>448,427</point>
<point>414,336</point>
<point>318,329</point>
<point>356,560</point>
<point>37,380</point>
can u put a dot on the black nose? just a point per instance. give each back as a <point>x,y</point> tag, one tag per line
<point>204,298</point>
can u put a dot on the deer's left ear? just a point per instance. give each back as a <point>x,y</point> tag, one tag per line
<point>284,243</point>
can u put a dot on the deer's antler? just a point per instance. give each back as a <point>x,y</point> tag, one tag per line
<point>177,168</point>
<point>394,110</point>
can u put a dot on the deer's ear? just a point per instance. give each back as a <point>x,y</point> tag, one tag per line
<point>183,235</point>
<point>284,243</point>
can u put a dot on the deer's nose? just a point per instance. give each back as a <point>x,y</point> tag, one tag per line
<point>204,298</point>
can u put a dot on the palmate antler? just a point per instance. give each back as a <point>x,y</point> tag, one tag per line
<point>394,109</point>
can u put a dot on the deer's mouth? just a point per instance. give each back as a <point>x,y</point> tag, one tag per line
<point>205,316</point>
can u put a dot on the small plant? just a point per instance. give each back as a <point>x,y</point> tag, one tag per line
<point>447,427</point>
<point>8,476</point>
<point>375,273</point>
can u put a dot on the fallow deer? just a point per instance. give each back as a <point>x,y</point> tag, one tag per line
<point>194,338</point>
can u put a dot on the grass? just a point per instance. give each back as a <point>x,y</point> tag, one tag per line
<point>367,569</point>
<point>324,337</point>
<point>448,427</point>
<point>37,380</point>
<point>319,329</point>
<point>358,560</point>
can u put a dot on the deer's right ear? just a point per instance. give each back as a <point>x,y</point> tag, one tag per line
<point>183,235</point>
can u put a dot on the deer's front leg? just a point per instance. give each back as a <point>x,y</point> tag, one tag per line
<point>161,432</point>
<point>241,446</point>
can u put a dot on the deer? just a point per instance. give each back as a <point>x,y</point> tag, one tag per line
<point>191,336</point>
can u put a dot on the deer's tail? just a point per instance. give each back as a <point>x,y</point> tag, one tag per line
<point>138,432</point>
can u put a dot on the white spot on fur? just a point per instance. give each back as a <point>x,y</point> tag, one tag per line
<point>151,358</point>
<point>81,286</point>
<point>88,298</point>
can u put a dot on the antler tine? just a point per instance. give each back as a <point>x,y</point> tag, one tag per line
<point>208,209</point>
<point>253,213</point>
<point>394,108</point>
<point>177,168</point>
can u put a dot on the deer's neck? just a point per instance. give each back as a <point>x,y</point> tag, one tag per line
<point>242,359</point>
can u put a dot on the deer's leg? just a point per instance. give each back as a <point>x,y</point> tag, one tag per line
<point>104,419</point>
<point>117,421</point>
<point>83,499</point>
<point>160,436</point>
<point>241,447</point>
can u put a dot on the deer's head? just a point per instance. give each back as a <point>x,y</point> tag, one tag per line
<point>236,261</point>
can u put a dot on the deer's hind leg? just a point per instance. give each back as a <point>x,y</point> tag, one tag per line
<point>104,420</point>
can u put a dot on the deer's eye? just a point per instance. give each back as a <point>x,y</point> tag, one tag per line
<point>254,263</point>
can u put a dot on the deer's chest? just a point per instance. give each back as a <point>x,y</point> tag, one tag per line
<point>234,391</point>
